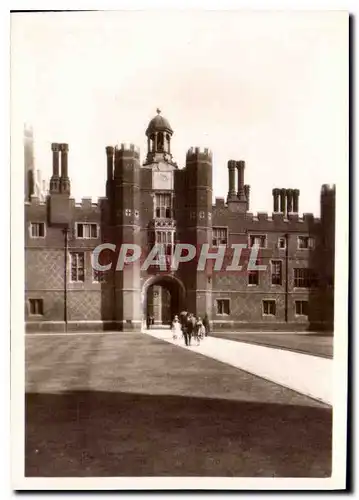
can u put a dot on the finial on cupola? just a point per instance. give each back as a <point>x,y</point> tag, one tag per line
<point>158,111</point>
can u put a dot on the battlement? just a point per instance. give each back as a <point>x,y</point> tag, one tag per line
<point>279,218</point>
<point>88,204</point>
<point>198,152</point>
<point>328,188</point>
<point>263,216</point>
<point>219,203</point>
<point>127,147</point>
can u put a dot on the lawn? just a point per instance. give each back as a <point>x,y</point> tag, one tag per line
<point>132,405</point>
<point>317,345</point>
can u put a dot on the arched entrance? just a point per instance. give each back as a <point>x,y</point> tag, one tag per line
<point>162,298</point>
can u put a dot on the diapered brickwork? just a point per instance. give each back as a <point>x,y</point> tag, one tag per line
<point>118,299</point>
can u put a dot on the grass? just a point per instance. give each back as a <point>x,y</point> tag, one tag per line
<point>131,405</point>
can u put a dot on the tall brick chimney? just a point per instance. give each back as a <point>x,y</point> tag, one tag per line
<point>283,201</point>
<point>240,168</point>
<point>276,193</point>
<point>289,193</point>
<point>232,196</point>
<point>64,179</point>
<point>55,178</point>
<point>60,211</point>
<point>247,192</point>
<point>296,193</point>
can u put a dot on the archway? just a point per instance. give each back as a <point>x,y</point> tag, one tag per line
<point>162,298</point>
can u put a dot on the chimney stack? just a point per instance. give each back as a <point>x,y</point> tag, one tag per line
<point>276,193</point>
<point>240,168</point>
<point>283,201</point>
<point>55,178</point>
<point>289,193</point>
<point>247,190</point>
<point>64,179</point>
<point>232,180</point>
<point>296,193</point>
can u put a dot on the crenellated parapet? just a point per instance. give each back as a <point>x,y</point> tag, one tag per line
<point>199,154</point>
<point>88,206</point>
<point>127,149</point>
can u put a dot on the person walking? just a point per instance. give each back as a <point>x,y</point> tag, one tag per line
<point>191,331</point>
<point>184,327</point>
<point>176,328</point>
<point>206,324</point>
<point>148,321</point>
<point>199,330</point>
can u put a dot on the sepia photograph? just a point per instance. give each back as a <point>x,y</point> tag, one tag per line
<point>179,276</point>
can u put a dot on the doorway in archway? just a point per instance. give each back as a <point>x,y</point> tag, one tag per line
<point>163,299</point>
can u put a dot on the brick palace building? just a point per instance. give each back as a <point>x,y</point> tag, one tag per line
<point>157,201</point>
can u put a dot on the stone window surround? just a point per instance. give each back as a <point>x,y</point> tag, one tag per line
<point>267,301</point>
<point>227,235</point>
<point>300,315</point>
<point>87,223</point>
<point>31,224</point>
<point>41,300</point>
<point>259,235</point>
<point>228,300</point>
<point>281,272</point>
<point>311,242</point>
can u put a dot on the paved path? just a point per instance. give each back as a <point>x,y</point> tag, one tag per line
<point>306,374</point>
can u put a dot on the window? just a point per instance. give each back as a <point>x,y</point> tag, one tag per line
<point>37,229</point>
<point>305,242</point>
<point>163,205</point>
<point>304,278</point>
<point>165,238</point>
<point>98,276</point>
<point>257,240</point>
<point>269,307</point>
<point>301,308</point>
<point>276,270</point>
<point>223,306</point>
<point>77,260</point>
<point>219,236</point>
<point>282,243</point>
<point>36,307</point>
<point>86,231</point>
<point>253,277</point>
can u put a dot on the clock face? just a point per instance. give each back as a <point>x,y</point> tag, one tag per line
<point>162,180</point>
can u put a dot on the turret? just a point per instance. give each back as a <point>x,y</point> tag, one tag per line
<point>126,215</point>
<point>198,226</point>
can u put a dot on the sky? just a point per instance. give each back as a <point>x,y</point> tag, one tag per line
<point>269,88</point>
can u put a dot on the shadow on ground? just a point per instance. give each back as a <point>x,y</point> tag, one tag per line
<point>83,433</point>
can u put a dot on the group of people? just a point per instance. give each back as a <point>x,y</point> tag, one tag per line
<point>188,326</point>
